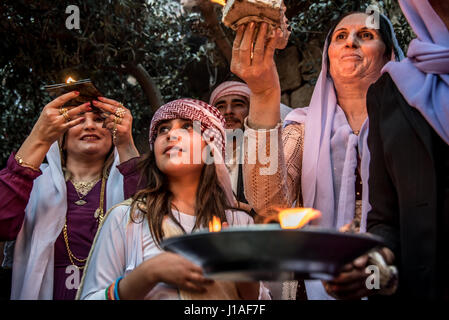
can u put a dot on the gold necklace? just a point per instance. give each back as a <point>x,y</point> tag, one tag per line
<point>99,214</point>
<point>82,188</point>
<point>70,253</point>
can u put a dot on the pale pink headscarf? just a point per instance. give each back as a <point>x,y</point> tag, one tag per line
<point>229,88</point>
<point>212,130</point>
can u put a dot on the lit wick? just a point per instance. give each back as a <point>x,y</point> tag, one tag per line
<point>215,224</point>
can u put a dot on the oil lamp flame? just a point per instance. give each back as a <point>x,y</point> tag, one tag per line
<point>296,218</point>
<point>215,225</point>
<point>220,2</point>
<point>70,80</point>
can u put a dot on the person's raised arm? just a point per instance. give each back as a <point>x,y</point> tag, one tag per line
<point>16,180</point>
<point>50,126</point>
<point>254,63</point>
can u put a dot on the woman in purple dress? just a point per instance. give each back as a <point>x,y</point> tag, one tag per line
<point>53,210</point>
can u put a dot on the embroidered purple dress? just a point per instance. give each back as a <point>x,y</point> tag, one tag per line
<point>16,183</point>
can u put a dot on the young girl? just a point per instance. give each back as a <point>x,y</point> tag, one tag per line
<point>183,193</point>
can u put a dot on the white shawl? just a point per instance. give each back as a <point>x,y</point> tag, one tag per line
<point>33,265</point>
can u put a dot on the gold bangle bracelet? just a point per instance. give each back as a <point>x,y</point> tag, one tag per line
<point>24,164</point>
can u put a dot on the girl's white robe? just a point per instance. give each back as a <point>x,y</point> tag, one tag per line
<point>122,245</point>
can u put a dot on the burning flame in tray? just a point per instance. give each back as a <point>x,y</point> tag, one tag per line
<point>296,218</point>
<point>70,80</point>
<point>215,225</point>
<point>220,2</point>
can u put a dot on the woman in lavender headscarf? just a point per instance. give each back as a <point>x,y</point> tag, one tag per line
<point>409,172</point>
<point>331,133</point>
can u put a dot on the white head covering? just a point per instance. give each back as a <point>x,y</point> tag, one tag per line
<point>33,265</point>
<point>330,157</point>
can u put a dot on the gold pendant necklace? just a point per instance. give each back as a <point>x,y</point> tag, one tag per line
<point>99,215</point>
<point>82,188</point>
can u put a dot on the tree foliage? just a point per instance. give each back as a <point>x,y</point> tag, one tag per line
<point>128,48</point>
<point>311,20</point>
<point>114,39</point>
<point>315,22</point>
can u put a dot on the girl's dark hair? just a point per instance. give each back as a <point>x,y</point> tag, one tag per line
<point>155,201</point>
<point>384,32</point>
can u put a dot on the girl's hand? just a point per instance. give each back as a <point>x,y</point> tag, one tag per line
<point>248,290</point>
<point>55,120</point>
<point>166,267</point>
<point>119,121</point>
<point>174,269</point>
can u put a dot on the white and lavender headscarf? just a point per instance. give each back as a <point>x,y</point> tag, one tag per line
<point>423,78</point>
<point>330,155</point>
<point>330,159</point>
<point>212,130</point>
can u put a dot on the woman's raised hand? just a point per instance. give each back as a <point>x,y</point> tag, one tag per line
<point>119,121</point>
<point>252,60</point>
<point>55,120</point>
<point>254,63</point>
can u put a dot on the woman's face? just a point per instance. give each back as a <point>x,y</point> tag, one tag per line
<point>356,51</point>
<point>178,148</point>
<point>89,138</point>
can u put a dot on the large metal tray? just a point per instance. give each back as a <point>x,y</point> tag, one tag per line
<point>266,252</point>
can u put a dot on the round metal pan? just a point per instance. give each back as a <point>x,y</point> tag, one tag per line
<point>266,252</point>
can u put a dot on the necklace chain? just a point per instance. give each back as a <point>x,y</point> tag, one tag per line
<point>99,215</point>
<point>70,253</point>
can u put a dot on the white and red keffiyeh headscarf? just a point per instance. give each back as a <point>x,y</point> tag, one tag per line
<point>230,88</point>
<point>212,130</point>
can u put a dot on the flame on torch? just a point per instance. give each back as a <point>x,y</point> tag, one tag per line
<point>215,225</point>
<point>220,2</point>
<point>296,218</point>
<point>70,80</point>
